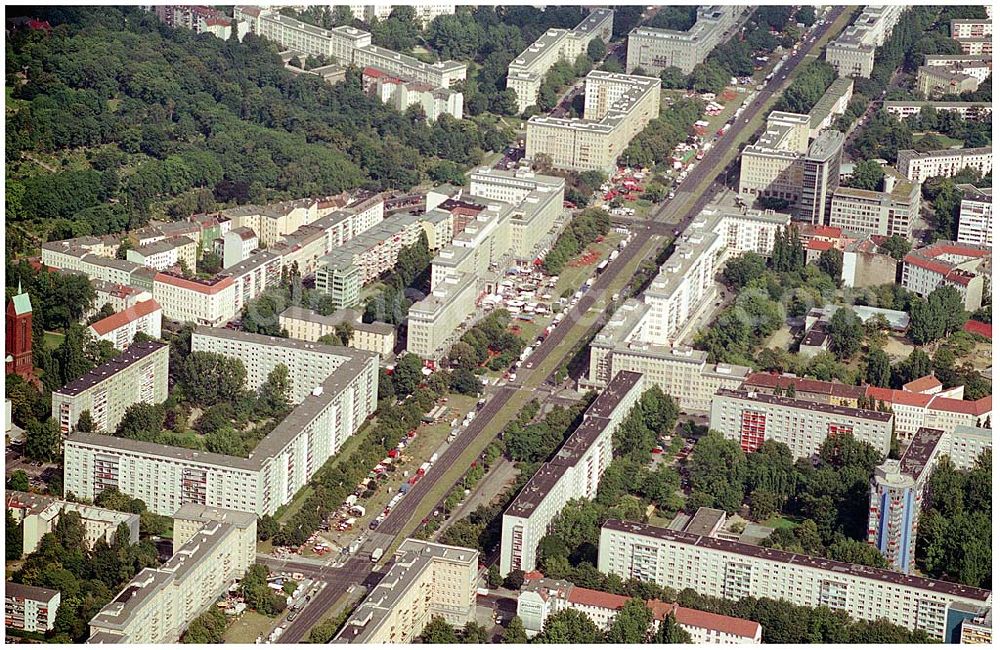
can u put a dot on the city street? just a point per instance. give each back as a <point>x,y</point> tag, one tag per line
<point>673,216</point>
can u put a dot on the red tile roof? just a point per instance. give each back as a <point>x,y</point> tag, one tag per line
<point>975,327</point>
<point>926,263</point>
<point>923,384</point>
<point>115,321</point>
<point>978,407</point>
<point>819,245</point>
<point>833,388</point>
<point>951,248</point>
<point>533,575</point>
<point>827,231</point>
<point>593,598</point>
<point>705,620</point>
<point>961,277</point>
<point>901,397</point>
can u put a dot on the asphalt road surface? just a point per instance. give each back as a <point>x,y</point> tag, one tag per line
<point>359,569</point>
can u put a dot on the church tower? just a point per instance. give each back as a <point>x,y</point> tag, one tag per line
<point>18,359</point>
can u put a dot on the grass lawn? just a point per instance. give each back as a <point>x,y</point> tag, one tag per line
<point>248,627</point>
<point>777,521</point>
<point>53,339</point>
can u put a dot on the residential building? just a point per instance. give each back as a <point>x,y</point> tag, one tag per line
<point>527,71</point>
<point>936,81</point>
<point>852,54</point>
<point>966,110</point>
<point>190,518</point>
<point>724,569</point>
<point>433,320</point>
<point>120,328</point>
<point>783,165</point>
<point>237,245</point>
<point>832,104</point>
<point>865,265</point>
<point>962,266</point>
<point>139,374</point>
<point>979,67</point>
<point>541,598</point>
<point>157,231</point>
<point>655,50</point>
<point>433,100</point>
<point>918,167</point>
<point>889,211</point>
<point>38,515</point>
<point>978,629</point>
<point>31,609</point>
<point>165,253</point>
<point>573,473</point>
<point>335,388</point>
<point>425,13</point>
<point>750,418</point>
<point>343,284</point>
<point>899,486</point>
<point>200,19</point>
<point>308,325</point>
<point>203,302</point>
<point>616,108</point>
<point>971,27</point>
<point>647,336</point>
<point>831,393</point>
<point>347,45</point>
<point>119,296</point>
<point>978,45</point>
<point>157,605</point>
<point>975,218</point>
<point>18,358</point>
<point>916,410</point>
<point>425,580</point>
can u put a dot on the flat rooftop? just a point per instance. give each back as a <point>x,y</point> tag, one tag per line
<point>135,353</point>
<point>790,402</point>
<point>774,555</point>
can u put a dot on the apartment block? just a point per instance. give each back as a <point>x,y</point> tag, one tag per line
<point>347,46</point>
<point>32,609</point>
<point>830,393</point>
<point>832,104</point>
<point>433,100</point>
<point>527,71</point>
<point>966,110</point>
<point>866,266</point>
<point>962,266</point>
<point>433,320</point>
<point>980,46</point>
<point>158,231</point>
<point>119,296</point>
<point>724,569</point>
<point>138,374</point>
<point>617,107</point>
<point>120,328</point>
<point>918,167</point>
<point>309,325</point>
<point>537,202</point>
<point>157,605</point>
<point>38,515</point>
<point>425,13</point>
<point>574,473</point>
<point>544,597</point>
<point>425,580</point>
<point>750,418</point>
<point>165,253</point>
<point>948,411</point>
<point>655,50</point>
<point>938,81</point>
<point>975,218</point>
<point>971,27</point>
<point>783,164</point>
<point>237,245</point>
<point>889,211</point>
<point>897,491</point>
<point>327,414</point>
<point>203,302</point>
<point>852,54</point>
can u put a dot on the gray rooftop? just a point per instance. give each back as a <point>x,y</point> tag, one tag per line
<point>27,592</point>
<point>134,354</point>
<point>340,316</point>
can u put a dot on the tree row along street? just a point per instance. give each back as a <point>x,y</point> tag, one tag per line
<point>693,195</point>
